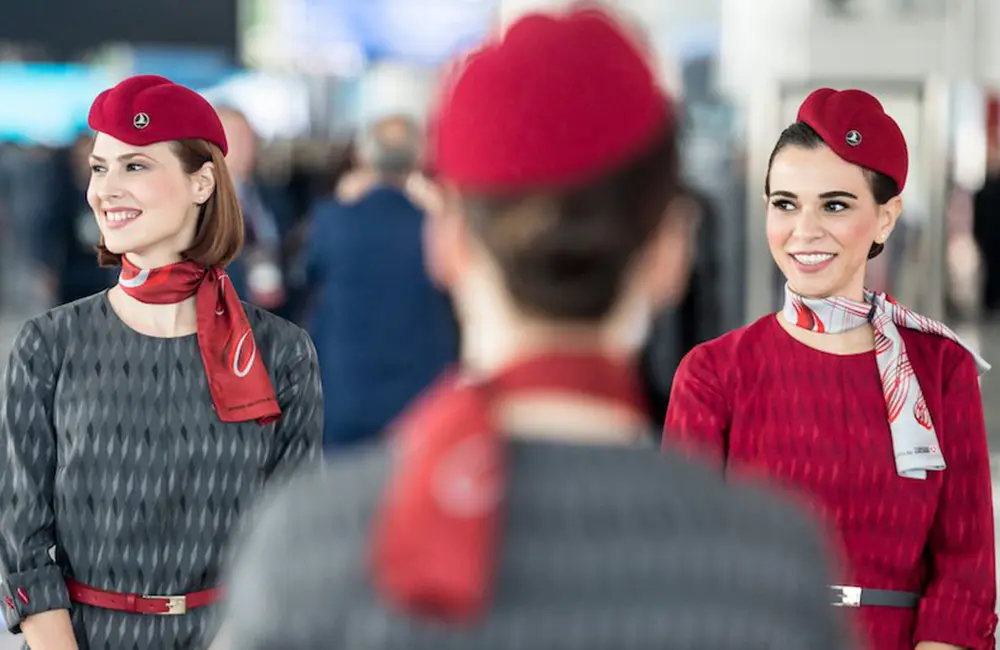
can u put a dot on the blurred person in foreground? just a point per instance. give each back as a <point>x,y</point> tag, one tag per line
<point>382,330</point>
<point>871,412</point>
<point>522,504</point>
<point>138,424</point>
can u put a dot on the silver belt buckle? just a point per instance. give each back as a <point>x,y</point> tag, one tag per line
<point>176,605</point>
<point>846,596</point>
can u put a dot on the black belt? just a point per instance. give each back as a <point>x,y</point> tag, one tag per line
<point>859,597</point>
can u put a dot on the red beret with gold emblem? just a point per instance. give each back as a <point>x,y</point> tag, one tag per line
<point>557,100</point>
<point>856,127</point>
<point>146,109</point>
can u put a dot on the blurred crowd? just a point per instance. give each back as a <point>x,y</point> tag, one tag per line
<point>333,244</point>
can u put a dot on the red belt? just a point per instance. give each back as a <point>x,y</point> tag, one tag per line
<point>140,603</point>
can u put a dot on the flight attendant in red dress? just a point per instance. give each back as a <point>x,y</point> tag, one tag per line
<point>869,411</point>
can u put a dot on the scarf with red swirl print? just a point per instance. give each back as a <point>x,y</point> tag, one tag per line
<point>914,440</point>
<point>438,527</point>
<point>237,379</point>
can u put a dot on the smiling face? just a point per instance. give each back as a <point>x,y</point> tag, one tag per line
<point>822,219</point>
<point>145,204</point>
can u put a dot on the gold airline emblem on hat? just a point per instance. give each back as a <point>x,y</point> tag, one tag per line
<point>140,121</point>
<point>853,138</point>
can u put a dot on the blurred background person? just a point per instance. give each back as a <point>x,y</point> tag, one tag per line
<point>65,236</point>
<point>986,229</point>
<point>676,330</point>
<point>383,331</point>
<point>259,273</point>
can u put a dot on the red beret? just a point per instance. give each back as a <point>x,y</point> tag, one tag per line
<point>146,109</point>
<point>856,127</point>
<point>556,101</point>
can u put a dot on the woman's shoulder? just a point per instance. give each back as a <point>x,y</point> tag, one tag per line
<point>937,356</point>
<point>60,321</point>
<point>735,346</point>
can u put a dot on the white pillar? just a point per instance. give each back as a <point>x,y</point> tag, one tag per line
<point>762,41</point>
<point>768,40</point>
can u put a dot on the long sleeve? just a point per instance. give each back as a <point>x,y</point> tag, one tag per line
<point>300,429</point>
<point>699,410</point>
<point>32,581</point>
<point>960,599</point>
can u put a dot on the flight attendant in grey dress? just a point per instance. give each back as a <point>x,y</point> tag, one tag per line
<point>138,425</point>
<point>521,504</point>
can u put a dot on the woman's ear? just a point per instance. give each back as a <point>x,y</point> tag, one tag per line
<point>888,216</point>
<point>203,183</point>
<point>446,244</point>
<point>667,265</point>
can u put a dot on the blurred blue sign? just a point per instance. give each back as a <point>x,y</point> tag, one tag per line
<point>422,32</point>
<point>46,103</point>
<point>192,67</point>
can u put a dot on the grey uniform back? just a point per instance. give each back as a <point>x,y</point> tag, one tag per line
<point>604,548</point>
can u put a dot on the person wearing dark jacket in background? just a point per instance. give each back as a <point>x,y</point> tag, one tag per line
<point>383,331</point>
<point>986,230</point>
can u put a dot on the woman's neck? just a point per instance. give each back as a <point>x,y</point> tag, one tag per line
<point>855,341</point>
<point>495,341</point>
<point>160,321</point>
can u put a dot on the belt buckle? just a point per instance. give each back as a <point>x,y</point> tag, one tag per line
<point>846,596</point>
<point>176,605</point>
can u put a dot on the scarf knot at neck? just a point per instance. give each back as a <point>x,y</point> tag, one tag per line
<point>240,387</point>
<point>915,443</point>
<point>438,530</point>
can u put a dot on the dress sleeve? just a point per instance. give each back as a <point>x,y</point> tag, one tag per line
<point>699,410</point>
<point>960,599</point>
<point>299,431</point>
<point>32,581</point>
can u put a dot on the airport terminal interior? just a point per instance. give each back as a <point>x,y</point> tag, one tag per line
<point>308,74</point>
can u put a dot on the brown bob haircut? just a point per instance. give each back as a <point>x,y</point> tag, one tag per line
<point>564,252</point>
<point>219,235</point>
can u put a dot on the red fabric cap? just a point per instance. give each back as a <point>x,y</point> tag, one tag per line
<point>146,109</point>
<point>556,101</point>
<point>856,127</point>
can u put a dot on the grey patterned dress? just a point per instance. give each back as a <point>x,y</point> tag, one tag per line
<point>115,470</point>
<point>604,548</point>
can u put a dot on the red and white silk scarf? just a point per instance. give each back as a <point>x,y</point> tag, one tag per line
<point>914,440</point>
<point>239,383</point>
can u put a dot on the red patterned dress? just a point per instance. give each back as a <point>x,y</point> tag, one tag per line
<point>763,403</point>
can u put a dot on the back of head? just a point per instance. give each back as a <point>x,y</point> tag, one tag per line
<point>558,146</point>
<point>391,146</point>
